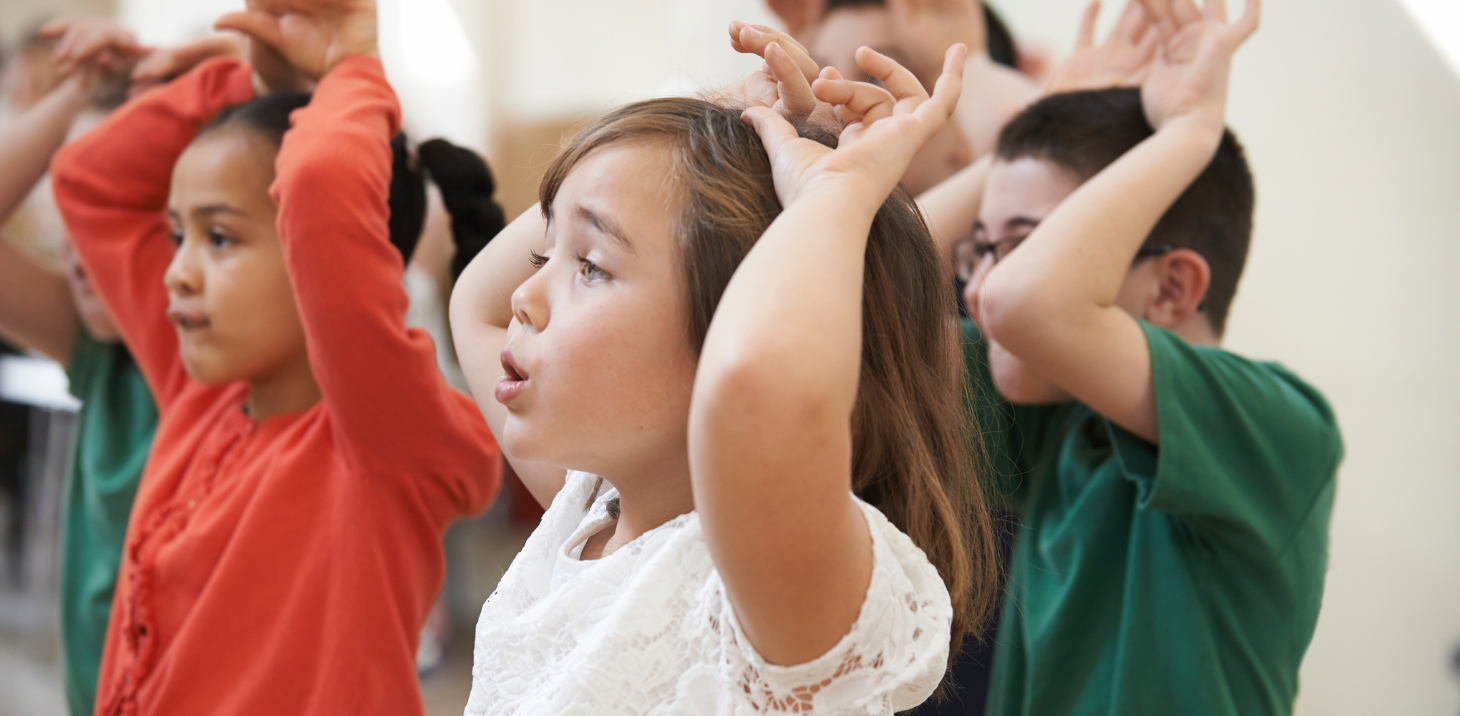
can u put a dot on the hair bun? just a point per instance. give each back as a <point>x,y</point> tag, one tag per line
<point>466,188</point>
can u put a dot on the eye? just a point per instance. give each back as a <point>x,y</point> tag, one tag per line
<point>220,240</point>
<point>590,271</point>
<point>538,260</point>
<point>176,235</point>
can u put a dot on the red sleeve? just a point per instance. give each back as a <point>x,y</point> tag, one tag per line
<point>390,407</point>
<point>111,187</point>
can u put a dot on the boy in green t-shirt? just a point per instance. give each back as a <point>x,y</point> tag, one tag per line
<point>61,317</point>
<point>1175,497</point>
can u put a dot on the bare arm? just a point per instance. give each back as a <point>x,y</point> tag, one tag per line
<point>952,207</point>
<point>481,311</point>
<point>770,436</point>
<point>36,308</point>
<point>1052,302</point>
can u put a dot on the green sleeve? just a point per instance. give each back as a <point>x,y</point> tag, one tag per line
<point>85,353</point>
<point>1002,431</point>
<point>1246,448</point>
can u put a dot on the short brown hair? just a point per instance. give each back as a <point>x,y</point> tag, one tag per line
<point>911,438</point>
<point>1087,131</point>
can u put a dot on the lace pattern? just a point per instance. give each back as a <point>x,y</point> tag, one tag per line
<point>649,629</point>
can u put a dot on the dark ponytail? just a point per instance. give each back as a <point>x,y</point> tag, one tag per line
<point>465,181</point>
<point>467,188</point>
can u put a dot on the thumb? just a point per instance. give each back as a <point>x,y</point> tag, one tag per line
<point>256,24</point>
<point>773,129</point>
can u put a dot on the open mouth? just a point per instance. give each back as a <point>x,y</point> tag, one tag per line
<point>186,320</point>
<point>514,379</point>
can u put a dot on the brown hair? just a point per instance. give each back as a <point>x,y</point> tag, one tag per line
<point>911,438</point>
<point>1086,132</point>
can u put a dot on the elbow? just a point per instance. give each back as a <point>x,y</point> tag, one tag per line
<point>1010,310</point>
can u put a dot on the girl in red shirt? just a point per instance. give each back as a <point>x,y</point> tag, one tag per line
<point>285,545</point>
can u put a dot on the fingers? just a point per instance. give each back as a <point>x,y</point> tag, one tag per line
<point>949,87</point>
<point>1086,36</point>
<point>254,23</point>
<point>1133,22</point>
<point>896,78</point>
<point>1250,19</point>
<point>773,129</point>
<point>792,87</point>
<point>753,39</point>
<point>1185,11</point>
<point>1162,16</point>
<point>165,64</point>
<point>855,101</point>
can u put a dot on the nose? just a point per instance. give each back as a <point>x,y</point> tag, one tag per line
<point>184,276</point>
<point>530,302</point>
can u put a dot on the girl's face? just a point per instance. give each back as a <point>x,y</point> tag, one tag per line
<point>599,333</point>
<point>229,290</point>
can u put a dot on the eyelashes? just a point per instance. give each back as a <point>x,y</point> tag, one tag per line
<point>537,260</point>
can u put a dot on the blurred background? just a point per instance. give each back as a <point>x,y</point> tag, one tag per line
<point>1350,113</point>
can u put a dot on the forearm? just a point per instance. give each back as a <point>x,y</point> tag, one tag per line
<point>793,310</point>
<point>992,95</point>
<point>952,207</point>
<point>27,144</point>
<point>1078,257</point>
<point>36,308</point>
<point>483,293</point>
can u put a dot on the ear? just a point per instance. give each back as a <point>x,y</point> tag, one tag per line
<point>1184,277</point>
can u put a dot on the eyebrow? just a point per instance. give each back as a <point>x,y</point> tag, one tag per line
<point>605,225</point>
<point>1018,222</point>
<point>210,210</point>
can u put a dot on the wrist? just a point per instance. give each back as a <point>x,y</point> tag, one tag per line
<point>1196,128</point>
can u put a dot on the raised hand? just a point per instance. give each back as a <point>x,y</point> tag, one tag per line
<point>1123,60</point>
<point>925,29</point>
<point>1189,76</point>
<point>165,63</point>
<point>312,35</point>
<point>94,42</point>
<point>784,82</point>
<point>883,127</point>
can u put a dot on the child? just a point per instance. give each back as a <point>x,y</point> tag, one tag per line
<point>285,544</point>
<point>1175,496</point>
<point>63,318</point>
<point>696,381</point>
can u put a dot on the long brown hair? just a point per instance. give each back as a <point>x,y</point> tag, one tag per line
<point>913,446</point>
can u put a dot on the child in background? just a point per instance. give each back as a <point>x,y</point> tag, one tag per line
<point>696,378</point>
<point>62,317</point>
<point>285,544</point>
<point>1175,496</point>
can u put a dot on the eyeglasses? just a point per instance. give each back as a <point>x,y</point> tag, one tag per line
<point>969,254</point>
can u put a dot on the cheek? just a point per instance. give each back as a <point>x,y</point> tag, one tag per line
<point>251,304</point>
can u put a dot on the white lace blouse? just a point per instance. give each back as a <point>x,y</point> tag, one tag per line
<point>649,629</point>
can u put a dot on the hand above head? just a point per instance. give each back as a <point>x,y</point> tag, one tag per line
<point>1123,60</point>
<point>784,82</point>
<point>99,45</point>
<point>925,29</point>
<point>1188,78</point>
<point>881,129</point>
<point>311,35</point>
<point>166,63</point>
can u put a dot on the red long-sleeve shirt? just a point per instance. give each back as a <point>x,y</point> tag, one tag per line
<point>284,566</point>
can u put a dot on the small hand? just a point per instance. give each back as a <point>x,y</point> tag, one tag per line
<point>1193,60</point>
<point>312,35</point>
<point>165,63</point>
<point>98,42</point>
<point>882,129</point>
<point>925,29</point>
<point>784,82</point>
<point>1123,60</point>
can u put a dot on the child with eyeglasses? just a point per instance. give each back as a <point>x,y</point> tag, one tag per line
<point>1175,497</point>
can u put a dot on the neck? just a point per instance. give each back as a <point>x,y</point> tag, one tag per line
<point>290,389</point>
<point>654,495</point>
<point>1197,331</point>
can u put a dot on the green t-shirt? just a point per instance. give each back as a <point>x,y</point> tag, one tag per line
<point>1184,579</point>
<point>113,436</point>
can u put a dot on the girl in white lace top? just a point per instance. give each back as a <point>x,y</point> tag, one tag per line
<point>746,421</point>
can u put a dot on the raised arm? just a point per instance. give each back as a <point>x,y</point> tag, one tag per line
<point>36,308</point>
<point>112,185</point>
<point>481,311</point>
<point>387,400</point>
<point>770,434</point>
<point>1052,302</point>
